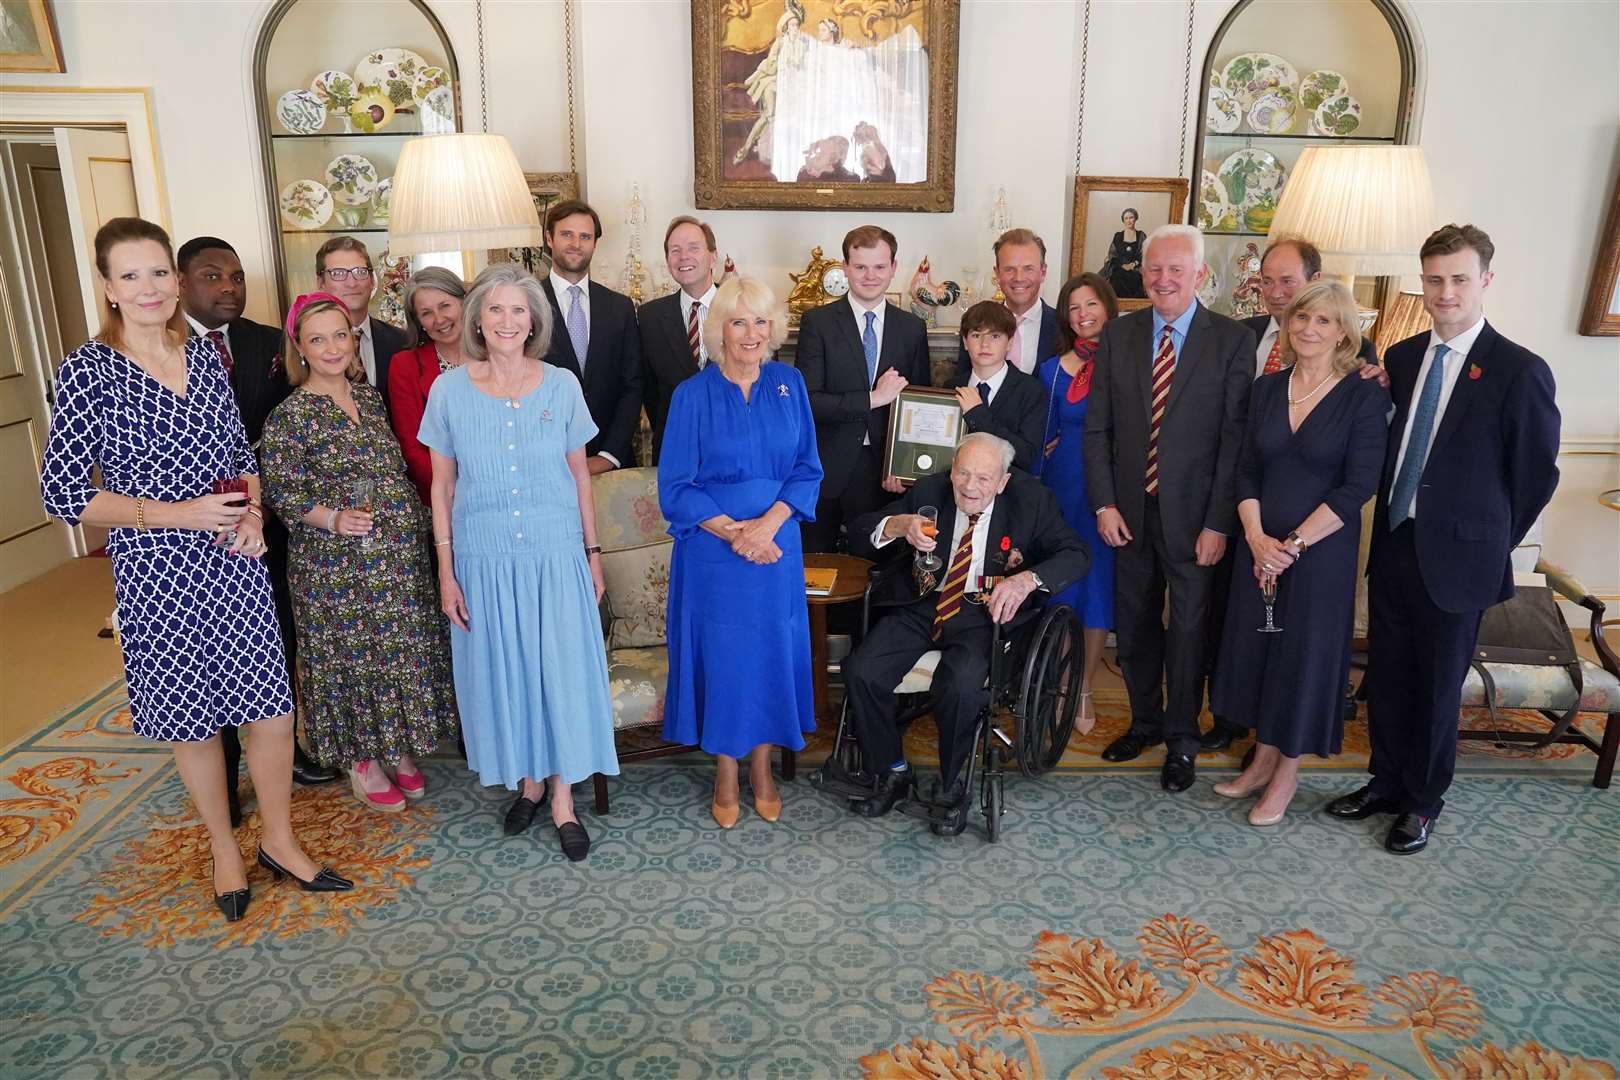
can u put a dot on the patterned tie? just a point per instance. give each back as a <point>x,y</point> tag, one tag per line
<point>869,345</point>
<point>1417,447</point>
<point>218,338</point>
<point>692,341</point>
<point>1164,368</point>
<point>1274,358</point>
<point>950,594</point>
<point>360,378</point>
<point>576,326</point>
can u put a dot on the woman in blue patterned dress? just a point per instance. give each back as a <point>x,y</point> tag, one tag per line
<point>1084,304</point>
<point>155,414</point>
<point>739,470</point>
<point>520,572</point>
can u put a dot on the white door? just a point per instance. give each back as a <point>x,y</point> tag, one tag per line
<point>100,185</point>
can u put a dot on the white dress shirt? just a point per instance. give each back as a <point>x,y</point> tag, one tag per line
<point>994,382</point>
<point>1028,330</point>
<point>981,544</point>
<point>1453,365</point>
<point>202,331</point>
<point>687,300</point>
<point>1263,350</point>
<point>560,286</point>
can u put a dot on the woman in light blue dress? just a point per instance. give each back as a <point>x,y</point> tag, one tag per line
<point>520,573</point>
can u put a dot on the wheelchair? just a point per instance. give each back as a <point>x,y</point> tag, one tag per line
<point>1034,684</point>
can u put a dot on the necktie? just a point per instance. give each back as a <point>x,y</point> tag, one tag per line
<point>218,338</point>
<point>950,594</point>
<point>577,333</point>
<point>1417,447</point>
<point>1164,367</point>
<point>984,393</point>
<point>361,378</point>
<point>692,341</point>
<point>1274,358</point>
<point>869,345</point>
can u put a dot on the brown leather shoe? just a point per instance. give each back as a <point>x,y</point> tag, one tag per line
<point>725,816</point>
<point>769,809</point>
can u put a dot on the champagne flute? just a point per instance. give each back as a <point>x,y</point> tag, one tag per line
<point>1268,594</point>
<point>361,495</point>
<point>969,283</point>
<point>930,560</point>
<point>227,486</point>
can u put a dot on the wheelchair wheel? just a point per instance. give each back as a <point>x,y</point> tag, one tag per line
<point>994,805</point>
<point>1050,692</point>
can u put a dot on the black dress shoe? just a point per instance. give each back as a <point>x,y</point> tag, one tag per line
<point>1409,834</point>
<point>324,881</point>
<point>891,788</point>
<point>1129,746</point>
<point>520,815</point>
<point>234,904</point>
<point>1217,738</point>
<point>1178,772</point>
<point>954,797</point>
<point>575,841</point>
<point>307,771</point>
<point>1361,803</point>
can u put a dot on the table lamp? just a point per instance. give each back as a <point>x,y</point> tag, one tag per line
<point>460,192</point>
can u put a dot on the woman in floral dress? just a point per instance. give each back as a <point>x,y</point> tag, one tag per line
<point>373,669</point>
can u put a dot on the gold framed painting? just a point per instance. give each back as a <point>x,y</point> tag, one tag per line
<point>1106,208</point>
<point>546,189</point>
<point>1601,316</point>
<point>28,40</point>
<point>824,104</point>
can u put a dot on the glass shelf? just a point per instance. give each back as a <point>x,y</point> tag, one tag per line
<point>338,229</point>
<point>350,135</point>
<point>1208,233</point>
<point>1248,136</point>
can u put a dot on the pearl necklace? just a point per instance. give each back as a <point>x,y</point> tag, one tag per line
<point>1314,390</point>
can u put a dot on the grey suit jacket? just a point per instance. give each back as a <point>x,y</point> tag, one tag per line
<point>1199,436</point>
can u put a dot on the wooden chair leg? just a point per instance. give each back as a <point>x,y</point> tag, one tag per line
<point>599,786</point>
<point>790,764</point>
<point>1606,755</point>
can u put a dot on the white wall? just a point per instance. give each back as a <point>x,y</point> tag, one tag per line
<point>1534,169</point>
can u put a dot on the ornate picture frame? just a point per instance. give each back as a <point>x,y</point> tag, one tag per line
<point>546,189</point>
<point>885,140</point>
<point>1601,315</point>
<point>1099,205</point>
<point>28,38</point>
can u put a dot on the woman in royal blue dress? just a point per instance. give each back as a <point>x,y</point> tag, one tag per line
<point>1084,304</point>
<point>738,472</point>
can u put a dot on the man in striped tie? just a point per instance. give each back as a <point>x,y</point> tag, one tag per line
<point>1169,395</point>
<point>672,326</point>
<point>994,524</point>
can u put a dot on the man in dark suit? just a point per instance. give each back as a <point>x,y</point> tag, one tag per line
<point>994,396</point>
<point>1472,461</point>
<point>856,354</point>
<point>343,268</point>
<point>211,297</point>
<point>1169,394</point>
<point>994,523</point>
<point>1020,272</point>
<point>672,326</point>
<point>594,336</point>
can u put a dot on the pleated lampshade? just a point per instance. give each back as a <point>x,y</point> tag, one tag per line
<point>1367,208</point>
<point>460,192</point>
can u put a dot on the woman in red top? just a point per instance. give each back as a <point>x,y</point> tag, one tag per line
<point>433,300</point>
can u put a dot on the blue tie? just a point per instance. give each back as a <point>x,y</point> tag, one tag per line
<point>1417,446</point>
<point>869,343</point>
<point>576,326</point>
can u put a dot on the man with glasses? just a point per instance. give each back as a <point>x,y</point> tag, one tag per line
<point>343,267</point>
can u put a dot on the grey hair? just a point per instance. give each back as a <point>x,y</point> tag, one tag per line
<point>494,276</point>
<point>995,442</point>
<point>430,277</point>
<point>1177,232</point>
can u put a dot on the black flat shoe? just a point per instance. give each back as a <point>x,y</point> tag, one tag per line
<point>891,788</point>
<point>1361,803</point>
<point>307,772</point>
<point>325,881</point>
<point>575,841</point>
<point>1409,835</point>
<point>1178,773</point>
<point>1128,747</point>
<point>234,904</point>
<point>520,815</point>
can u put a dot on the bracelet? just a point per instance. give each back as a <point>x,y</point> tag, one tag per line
<point>592,549</point>
<point>256,512</point>
<point>1297,542</point>
<point>442,543</point>
<point>140,514</point>
<point>331,522</point>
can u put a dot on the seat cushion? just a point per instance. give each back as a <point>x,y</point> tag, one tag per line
<point>627,512</point>
<point>636,679</point>
<point>1533,686</point>
<point>921,675</point>
<point>637,597</point>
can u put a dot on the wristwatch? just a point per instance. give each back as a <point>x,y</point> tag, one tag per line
<point>1036,578</point>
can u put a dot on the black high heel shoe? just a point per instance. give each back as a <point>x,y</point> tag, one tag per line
<point>325,881</point>
<point>234,904</point>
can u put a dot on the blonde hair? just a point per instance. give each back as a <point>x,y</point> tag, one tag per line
<point>496,275</point>
<point>743,292</point>
<point>297,366</point>
<point>1335,299</point>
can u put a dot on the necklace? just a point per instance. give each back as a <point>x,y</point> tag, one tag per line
<point>513,394</point>
<point>1300,401</point>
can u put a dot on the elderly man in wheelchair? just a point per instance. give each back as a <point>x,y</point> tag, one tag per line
<point>986,545</point>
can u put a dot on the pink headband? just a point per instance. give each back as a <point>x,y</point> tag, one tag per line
<point>303,302</point>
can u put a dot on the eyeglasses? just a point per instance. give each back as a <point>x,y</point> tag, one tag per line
<point>343,273</point>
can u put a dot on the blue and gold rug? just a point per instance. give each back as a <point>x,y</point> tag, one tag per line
<point>1114,932</point>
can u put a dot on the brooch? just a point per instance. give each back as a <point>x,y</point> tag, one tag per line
<point>1475,371</point>
<point>781,390</point>
<point>545,414</point>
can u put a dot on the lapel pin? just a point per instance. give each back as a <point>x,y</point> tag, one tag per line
<point>781,390</point>
<point>1475,371</point>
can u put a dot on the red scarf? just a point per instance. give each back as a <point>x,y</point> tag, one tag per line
<point>1080,384</point>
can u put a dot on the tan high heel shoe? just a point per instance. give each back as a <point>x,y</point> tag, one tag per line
<point>1087,719</point>
<point>1235,789</point>
<point>725,816</point>
<point>769,809</point>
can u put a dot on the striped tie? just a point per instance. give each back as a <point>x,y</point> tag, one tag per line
<point>692,335</point>
<point>1164,367</point>
<point>1274,359</point>
<point>950,594</point>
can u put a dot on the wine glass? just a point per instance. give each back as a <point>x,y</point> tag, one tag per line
<point>926,565</point>
<point>1268,594</point>
<point>226,486</point>
<point>969,283</point>
<point>361,495</point>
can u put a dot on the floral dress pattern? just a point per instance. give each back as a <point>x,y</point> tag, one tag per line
<point>373,649</point>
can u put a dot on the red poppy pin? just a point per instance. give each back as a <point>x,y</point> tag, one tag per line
<point>1006,543</point>
<point>1475,371</point>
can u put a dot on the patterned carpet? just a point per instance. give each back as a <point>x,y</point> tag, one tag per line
<point>1115,932</point>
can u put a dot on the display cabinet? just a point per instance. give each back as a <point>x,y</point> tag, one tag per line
<point>340,89</point>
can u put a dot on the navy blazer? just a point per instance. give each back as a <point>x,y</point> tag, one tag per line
<point>612,376</point>
<point>1491,470</point>
<point>1260,323</point>
<point>1046,348</point>
<point>1017,413</point>
<point>666,360</point>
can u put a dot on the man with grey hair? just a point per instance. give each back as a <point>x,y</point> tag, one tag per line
<point>1169,395</point>
<point>1004,548</point>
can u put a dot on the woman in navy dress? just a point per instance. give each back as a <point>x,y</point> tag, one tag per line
<point>738,471</point>
<point>154,413</point>
<point>1313,451</point>
<point>1084,304</point>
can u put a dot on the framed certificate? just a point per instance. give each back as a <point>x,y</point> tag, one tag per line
<point>925,426</point>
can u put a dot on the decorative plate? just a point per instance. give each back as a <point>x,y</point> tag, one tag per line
<point>1258,215</point>
<point>1319,86</point>
<point>1338,116</point>
<point>429,79</point>
<point>1248,75</point>
<point>351,179</point>
<point>306,204</point>
<point>1273,113</point>
<point>301,112</point>
<point>380,199</point>
<point>1249,175</point>
<point>371,112</point>
<point>335,89</point>
<point>439,111</point>
<point>1215,213</point>
<point>391,72</point>
<point>1210,290</point>
<point>1223,114</point>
